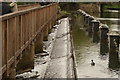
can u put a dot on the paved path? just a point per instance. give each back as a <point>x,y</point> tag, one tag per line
<point>60,65</point>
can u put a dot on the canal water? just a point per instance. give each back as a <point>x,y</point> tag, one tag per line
<point>85,50</point>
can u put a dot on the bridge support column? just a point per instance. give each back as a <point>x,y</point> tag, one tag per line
<point>95,27</point>
<point>114,50</point>
<point>104,40</point>
<point>39,43</point>
<point>45,33</point>
<point>27,61</point>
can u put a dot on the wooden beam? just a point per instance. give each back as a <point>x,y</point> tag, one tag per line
<point>1,45</point>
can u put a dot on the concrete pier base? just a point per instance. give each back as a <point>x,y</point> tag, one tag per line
<point>114,50</point>
<point>95,27</point>
<point>45,33</point>
<point>39,43</point>
<point>104,40</point>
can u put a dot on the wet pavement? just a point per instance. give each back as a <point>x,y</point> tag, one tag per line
<point>61,65</point>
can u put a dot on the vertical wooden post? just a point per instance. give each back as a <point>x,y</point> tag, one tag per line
<point>104,40</point>
<point>1,49</point>
<point>4,57</point>
<point>114,50</point>
<point>45,33</point>
<point>95,27</point>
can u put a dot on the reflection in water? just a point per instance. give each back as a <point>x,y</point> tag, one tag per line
<point>86,51</point>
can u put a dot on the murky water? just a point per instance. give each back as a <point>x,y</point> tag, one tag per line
<point>86,51</point>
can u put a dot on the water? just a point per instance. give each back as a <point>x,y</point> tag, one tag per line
<point>86,51</point>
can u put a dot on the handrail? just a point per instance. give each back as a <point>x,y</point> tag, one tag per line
<point>17,13</point>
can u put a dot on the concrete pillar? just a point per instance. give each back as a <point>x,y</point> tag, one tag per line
<point>45,33</point>
<point>104,40</point>
<point>90,32</point>
<point>114,50</point>
<point>95,28</point>
<point>49,28</point>
<point>39,43</point>
<point>27,61</point>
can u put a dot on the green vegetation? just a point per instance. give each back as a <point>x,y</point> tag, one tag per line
<point>106,6</point>
<point>63,12</point>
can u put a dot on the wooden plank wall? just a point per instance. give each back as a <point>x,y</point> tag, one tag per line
<point>20,28</point>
